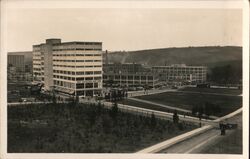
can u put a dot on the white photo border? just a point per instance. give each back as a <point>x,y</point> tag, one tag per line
<point>5,4</point>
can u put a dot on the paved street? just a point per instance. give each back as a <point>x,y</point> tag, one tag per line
<point>198,143</point>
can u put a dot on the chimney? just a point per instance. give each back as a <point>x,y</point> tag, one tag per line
<point>106,57</point>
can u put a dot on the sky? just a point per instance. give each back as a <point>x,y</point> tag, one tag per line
<point>125,28</point>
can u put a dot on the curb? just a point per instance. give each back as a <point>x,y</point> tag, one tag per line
<point>170,142</point>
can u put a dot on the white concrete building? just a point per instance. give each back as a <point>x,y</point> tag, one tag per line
<point>69,68</point>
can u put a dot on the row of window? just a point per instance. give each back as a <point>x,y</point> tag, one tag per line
<point>77,86</point>
<point>85,49</point>
<point>36,69</point>
<point>182,73</point>
<point>167,69</point>
<point>82,54</point>
<point>36,60</point>
<point>64,84</point>
<point>64,72</point>
<point>77,78</point>
<point>88,78</point>
<point>86,85</point>
<point>128,77</point>
<point>73,66</point>
<point>133,82</point>
<point>77,60</point>
<point>96,66</point>
<point>89,73</point>
<point>36,55</point>
<point>178,75</point>
<point>182,70</point>
<point>77,73</point>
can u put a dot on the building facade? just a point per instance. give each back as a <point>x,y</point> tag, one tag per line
<point>118,68</point>
<point>69,68</point>
<point>128,75</point>
<point>182,73</point>
<point>19,66</point>
<point>130,80</point>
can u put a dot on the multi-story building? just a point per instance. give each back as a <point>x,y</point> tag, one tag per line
<point>69,68</point>
<point>19,66</point>
<point>181,73</point>
<point>128,75</point>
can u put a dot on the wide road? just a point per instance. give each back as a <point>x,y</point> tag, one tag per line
<point>197,143</point>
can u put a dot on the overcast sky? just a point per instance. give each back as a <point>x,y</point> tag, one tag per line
<point>125,29</point>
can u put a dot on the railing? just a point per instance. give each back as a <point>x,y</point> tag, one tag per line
<point>170,142</point>
<point>159,114</point>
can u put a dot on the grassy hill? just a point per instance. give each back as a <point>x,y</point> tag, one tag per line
<point>209,56</point>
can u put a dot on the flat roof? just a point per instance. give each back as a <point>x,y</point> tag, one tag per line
<point>19,52</point>
<point>72,42</point>
<point>78,42</point>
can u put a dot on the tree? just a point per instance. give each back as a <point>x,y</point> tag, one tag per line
<point>194,109</point>
<point>153,121</point>
<point>53,97</point>
<point>77,99</point>
<point>114,110</point>
<point>227,74</point>
<point>208,109</point>
<point>200,111</point>
<point>175,117</point>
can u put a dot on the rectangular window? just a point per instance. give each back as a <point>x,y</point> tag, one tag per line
<point>88,54</point>
<point>88,60</point>
<point>97,72</point>
<point>80,79</point>
<point>89,73</point>
<point>89,78</point>
<point>97,78</point>
<point>89,85</point>
<point>79,73</point>
<point>79,85</point>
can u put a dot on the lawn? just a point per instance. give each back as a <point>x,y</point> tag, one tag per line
<point>189,100</point>
<point>213,90</point>
<point>148,106</point>
<point>82,128</point>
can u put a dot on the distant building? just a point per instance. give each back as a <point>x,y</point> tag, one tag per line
<point>128,75</point>
<point>181,73</point>
<point>19,66</point>
<point>69,68</point>
<point>119,68</point>
<point>130,80</point>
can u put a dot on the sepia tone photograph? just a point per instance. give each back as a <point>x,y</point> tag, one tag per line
<point>127,80</point>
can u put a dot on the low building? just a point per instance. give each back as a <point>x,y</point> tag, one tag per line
<point>130,80</point>
<point>128,75</point>
<point>130,68</point>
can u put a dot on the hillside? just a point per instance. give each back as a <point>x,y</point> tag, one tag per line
<point>209,56</point>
